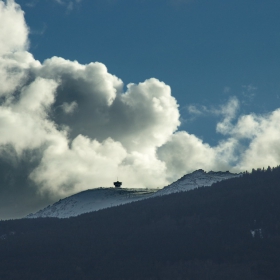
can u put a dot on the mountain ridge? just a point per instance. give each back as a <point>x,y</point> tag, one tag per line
<point>101,198</point>
<point>228,231</point>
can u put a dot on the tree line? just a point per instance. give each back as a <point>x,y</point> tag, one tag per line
<point>230,230</point>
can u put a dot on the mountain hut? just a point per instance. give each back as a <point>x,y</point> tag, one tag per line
<point>117,184</point>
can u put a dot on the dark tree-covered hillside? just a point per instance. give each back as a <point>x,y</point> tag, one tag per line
<point>228,231</point>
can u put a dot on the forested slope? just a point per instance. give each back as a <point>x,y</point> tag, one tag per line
<point>228,231</point>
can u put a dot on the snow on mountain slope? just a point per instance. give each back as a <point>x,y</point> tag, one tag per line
<point>91,200</point>
<point>96,199</point>
<point>198,178</point>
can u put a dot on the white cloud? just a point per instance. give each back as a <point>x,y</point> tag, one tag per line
<point>141,118</point>
<point>229,112</point>
<point>60,2</point>
<point>85,130</point>
<point>31,4</point>
<point>196,111</point>
<point>249,93</point>
<point>263,132</point>
<point>249,88</point>
<point>184,153</point>
<point>69,108</point>
<point>24,121</point>
<point>68,4</point>
<point>89,164</point>
<point>13,30</point>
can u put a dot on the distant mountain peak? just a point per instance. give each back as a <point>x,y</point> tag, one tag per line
<point>92,200</point>
<point>196,179</point>
<point>100,198</point>
<point>198,171</point>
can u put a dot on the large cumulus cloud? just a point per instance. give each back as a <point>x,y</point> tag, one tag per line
<point>84,128</point>
<point>263,134</point>
<point>74,127</point>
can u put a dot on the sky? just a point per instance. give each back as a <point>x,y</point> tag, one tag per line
<point>144,91</point>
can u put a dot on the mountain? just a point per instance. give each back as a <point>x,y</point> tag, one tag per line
<point>91,200</point>
<point>97,199</point>
<point>196,179</point>
<point>228,231</point>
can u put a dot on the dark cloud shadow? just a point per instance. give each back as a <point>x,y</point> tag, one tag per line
<point>18,194</point>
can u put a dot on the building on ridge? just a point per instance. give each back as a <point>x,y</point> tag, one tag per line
<point>117,184</point>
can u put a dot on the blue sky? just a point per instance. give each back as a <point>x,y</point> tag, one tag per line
<point>143,90</point>
<point>205,50</point>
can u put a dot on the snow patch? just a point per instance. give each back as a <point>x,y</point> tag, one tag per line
<point>256,232</point>
<point>92,200</point>
<point>198,178</point>
<point>101,198</point>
